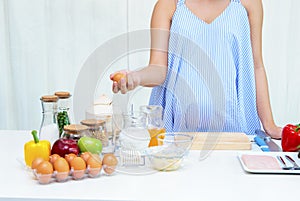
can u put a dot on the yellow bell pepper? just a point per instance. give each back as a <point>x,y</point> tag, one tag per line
<point>36,148</point>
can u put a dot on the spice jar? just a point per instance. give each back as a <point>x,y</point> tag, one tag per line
<point>75,131</point>
<point>102,109</point>
<point>97,129</point>
<point>63,117</point>
<point>48,128</point>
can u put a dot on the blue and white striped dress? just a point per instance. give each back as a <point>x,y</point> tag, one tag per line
<point>210,84</point>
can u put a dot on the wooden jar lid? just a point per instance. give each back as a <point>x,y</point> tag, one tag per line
<point>49,98</point>
<point>62,94</point>
<point>92,122</point>
<point>75,128</point>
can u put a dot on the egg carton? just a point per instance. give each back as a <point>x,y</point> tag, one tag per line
<point>73,174</point>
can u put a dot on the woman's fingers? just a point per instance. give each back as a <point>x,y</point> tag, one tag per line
<point>123,81</point>
<point>123,86</point>
<point>130,82</point>
<point>115,87</point>
<point>111,76</point>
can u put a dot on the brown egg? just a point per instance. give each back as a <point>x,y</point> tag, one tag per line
<point>118,76</point>
<point>70,157</point>
<point>109,163</point>
<point>85,156</point>
<point>44,167</point>
<point>61,165</point>
<point>53,158</point>
<point>96,156</point>
<point>78,163</point>
<point>94,164</point>
<point>36,162</point>
<point>79,166</point>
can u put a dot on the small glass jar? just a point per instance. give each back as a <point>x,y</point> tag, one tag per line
<point>75,131</point>
<point>63,117</point>
<point>97,129</point>
<point>48,128</point>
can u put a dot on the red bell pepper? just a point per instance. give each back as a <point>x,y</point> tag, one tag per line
<point>290,140</point>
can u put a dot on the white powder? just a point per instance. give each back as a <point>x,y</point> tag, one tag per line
<point>134,138</point>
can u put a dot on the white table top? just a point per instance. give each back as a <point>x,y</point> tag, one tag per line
<point>220,176</point>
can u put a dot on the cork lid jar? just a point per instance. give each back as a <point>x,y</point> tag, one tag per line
<point>62,94</point>
<point>75,131</point>
<point>49,98</point>
<point>97,129</point>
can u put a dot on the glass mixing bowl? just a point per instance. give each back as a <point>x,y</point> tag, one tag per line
<point>170,152</point>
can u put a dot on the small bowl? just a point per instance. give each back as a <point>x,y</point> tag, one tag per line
<point>109,170</point>
<point>94,172</point>
<point>170,152</point>
<point>44,178</point>
<point>62,176</point>
<point>78,174</point>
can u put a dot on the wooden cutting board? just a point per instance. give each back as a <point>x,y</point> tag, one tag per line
<point>220,141</point>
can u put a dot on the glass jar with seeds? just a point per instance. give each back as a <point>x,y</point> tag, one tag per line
<point>97,129</point>
<point>63,117</point>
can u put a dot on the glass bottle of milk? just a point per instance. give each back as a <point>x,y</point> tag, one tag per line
<point>49,129</point>
<point>134,134</point>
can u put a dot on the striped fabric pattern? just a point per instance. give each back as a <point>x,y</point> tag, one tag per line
<point>210,84</point>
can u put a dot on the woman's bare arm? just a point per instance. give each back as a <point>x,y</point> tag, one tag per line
<point>255,14</point>
<point>155,73</point>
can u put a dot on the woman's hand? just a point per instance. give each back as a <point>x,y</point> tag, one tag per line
<point>124,81</point>
<point>274,132</point>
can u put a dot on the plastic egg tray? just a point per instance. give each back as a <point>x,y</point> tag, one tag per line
<point>72,175</point>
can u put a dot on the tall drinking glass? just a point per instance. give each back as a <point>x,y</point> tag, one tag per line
<point>155,124</point>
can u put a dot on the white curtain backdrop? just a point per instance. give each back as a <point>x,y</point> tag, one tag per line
<point>44,43</point>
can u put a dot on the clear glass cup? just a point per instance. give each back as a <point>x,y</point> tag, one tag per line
<point>155,124</point>
<point>112,131</point>
<point>134,134</point>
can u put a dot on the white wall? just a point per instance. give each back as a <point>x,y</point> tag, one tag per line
<point>281,40</point>
<point>45,43</point>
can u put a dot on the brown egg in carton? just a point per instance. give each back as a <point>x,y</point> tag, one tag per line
<point>73,174</point>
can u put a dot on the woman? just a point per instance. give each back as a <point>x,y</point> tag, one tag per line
<point>229,68</point>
